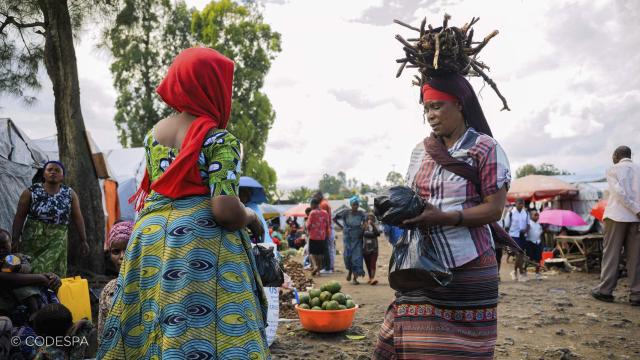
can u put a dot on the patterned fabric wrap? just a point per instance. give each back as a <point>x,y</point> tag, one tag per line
<point>457,245</point>
<point>219,160</point>
<point>46,244</point>
<point>50,209</point>
<point>352,233</point>
<point>458,321</point>
<point>188,289</point>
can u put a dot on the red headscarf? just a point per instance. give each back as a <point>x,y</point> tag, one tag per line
<point>198,82</point>
<point>432,94</point>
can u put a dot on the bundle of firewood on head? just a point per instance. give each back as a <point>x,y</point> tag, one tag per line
<point>445,50</point>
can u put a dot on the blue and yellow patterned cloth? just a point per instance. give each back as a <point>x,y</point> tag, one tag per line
<point>188,289</point>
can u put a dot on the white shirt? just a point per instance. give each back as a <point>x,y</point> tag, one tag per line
<point>517,221</point>
<point>535,232</point>
<point>624,192</point>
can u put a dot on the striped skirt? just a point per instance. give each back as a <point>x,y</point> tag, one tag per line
<point>458,321</point>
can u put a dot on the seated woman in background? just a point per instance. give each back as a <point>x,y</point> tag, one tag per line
<point>117,244</point>
<point>23,293</point>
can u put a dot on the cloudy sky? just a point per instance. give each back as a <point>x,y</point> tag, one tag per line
<point>569,69</point>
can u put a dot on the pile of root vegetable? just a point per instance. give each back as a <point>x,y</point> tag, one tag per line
<point>446,49</point>
<point>300,281</point>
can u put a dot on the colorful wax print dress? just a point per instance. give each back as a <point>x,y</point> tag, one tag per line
<point>188,289</point>
<point>44,237</point>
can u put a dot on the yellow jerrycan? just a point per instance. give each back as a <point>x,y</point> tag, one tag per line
<point>74,294</point>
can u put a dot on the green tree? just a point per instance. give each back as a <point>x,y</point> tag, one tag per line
<point>329,184</point>
<point>43,32</point>
<point>301,195</point>
<point>394,178</point>
<point>542,169</point>
<point>145,37</point>
<point>239,32</point>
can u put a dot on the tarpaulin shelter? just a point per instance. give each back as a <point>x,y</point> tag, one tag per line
<point>581,204</point>
<point>108,183</point>
<point>297,211</point>
<point>128,166</point>
<point>20,159</point>
<point>539,187</point>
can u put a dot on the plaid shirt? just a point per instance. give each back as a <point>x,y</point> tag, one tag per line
<point>457,245</point>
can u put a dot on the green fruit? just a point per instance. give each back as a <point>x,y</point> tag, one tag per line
<point>323,287</point>
<point>333,305</point>
<point>304,299</point>
<point>340,298</point>
<point>349,297</point>
<point>304,306</point>
<point>333,287</point>
<point>314,293</point>
<point>324,305</point>
<point>325,296</point>
<point>315,302</point>
<point>316,308</point>
<point>342,307</point>
<point>350,304</point>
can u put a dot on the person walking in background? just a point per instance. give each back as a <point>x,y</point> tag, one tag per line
<point>330,255</point>
<point>48,208</point>
<point>621,227</point>
<point>517,224</point>
<point>370,247</point>
<point>352,230</point>
<point>318,225</point>
<point>533,245</point>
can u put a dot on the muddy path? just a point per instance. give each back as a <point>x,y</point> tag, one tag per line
<point>553,318</point>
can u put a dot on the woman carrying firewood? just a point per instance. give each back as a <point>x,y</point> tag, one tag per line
<point>463,178</point>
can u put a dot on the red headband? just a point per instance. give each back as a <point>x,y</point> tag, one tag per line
<point>431,94</point>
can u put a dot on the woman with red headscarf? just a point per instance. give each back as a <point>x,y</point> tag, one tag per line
<point>188,286</point>
<point>462,174</point>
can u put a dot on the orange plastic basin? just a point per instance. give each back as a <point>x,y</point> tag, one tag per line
<point>546,255</point>
<point>326,321</point>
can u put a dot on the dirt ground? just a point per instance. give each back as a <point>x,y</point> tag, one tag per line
<point>553,318</point>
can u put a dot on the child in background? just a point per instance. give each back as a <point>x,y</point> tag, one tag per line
<point>370,247</point>
<point>22,293</point>
<point>55,321</point>
<point>117,244</point>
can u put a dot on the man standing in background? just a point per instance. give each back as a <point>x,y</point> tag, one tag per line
<point>517,224</point>
<point>621,227</point>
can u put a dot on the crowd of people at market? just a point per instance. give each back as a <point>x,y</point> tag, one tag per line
<point>188,285</point>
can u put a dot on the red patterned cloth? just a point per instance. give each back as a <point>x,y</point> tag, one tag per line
<point>458,321</point>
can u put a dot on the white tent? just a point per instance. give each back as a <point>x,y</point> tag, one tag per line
<point>20,158</point>
<point>128,167</point>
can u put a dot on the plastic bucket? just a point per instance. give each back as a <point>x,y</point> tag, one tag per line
<point>546,255</point>
<point>326,321</point>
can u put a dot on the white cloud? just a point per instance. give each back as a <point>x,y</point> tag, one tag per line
<point>569,70</point>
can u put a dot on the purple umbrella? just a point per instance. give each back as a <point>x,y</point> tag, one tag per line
<point>561,218</point>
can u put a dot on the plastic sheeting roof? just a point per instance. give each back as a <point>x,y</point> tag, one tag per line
<point>20,158</point>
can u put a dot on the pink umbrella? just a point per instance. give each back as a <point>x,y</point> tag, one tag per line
<point>561,218</point>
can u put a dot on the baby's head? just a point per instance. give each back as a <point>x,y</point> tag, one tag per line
<point>52,320</point>
<point>5,243</point>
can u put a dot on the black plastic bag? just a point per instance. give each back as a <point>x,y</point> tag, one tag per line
<point>268,267</point>
<point>414,264</point>
<point>396,204</point>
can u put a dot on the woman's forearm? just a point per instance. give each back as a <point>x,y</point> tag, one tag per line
<point>230,213</point>
<point>17,279</point>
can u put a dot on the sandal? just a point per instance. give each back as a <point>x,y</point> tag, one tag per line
<point>374,282</point>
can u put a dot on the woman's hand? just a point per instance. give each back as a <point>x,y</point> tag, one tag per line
<point>430,216</point>
<point>256,229</point>
<point>84,248</point>
<point>53,281</point>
